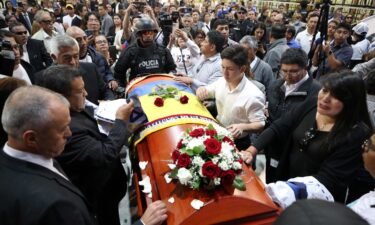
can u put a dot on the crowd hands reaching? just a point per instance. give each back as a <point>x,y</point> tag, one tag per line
<point>249,66</point>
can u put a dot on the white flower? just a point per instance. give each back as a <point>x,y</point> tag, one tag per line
<point>197,160</point>
<point>222,131</point>
<point>236,165</point>
<point>224,165</point>
<point>215,159</point>
<point>195,142</point>
<point>217,181</point>
<point>184,176</point>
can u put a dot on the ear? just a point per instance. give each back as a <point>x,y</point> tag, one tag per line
<point>243,69</point>
<point>30,139</point>
<point>54,57</point>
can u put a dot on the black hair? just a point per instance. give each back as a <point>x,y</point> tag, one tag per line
<point>349,89</point>
<point>219,22</point>
<point>79,8</point>
<point>15,24</point>
<point>264,28</point>
<point>59,78</point>
<point>291,30</point>
<point>294,56</point>
<point>216,38</point>
<point>6,33</point>
<point>237,54</point>
<point>278,31</point>
<point>370,82</point>
<point>345,26</point>
<point>86,19</point>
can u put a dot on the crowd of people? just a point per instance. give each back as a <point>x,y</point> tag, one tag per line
<point>304,98</point>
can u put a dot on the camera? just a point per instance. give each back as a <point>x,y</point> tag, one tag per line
<point>166,25</point>
<point>7,58</point>
<point>186,10</point>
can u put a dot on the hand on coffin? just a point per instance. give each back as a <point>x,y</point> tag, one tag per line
<point>123,113</point>
<point>249,154</point>
<point>184,79</point>
<point>236,130</point>
<point>113,85</point>
<point>155,214</point>
<point>202,93</point>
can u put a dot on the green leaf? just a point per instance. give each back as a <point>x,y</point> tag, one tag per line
<point>190,152</point>
<point>173,173</point>
<point>196,183</point>
<point>239,184</point>
<point>198,149</point>
<point>210,127</point>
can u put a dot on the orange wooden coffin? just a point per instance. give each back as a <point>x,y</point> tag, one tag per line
<point>221,206</point>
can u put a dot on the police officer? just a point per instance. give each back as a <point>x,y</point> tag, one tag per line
<point>144,56</point>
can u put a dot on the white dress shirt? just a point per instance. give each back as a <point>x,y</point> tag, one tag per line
<point>305,39</point>
<point>292,87</point>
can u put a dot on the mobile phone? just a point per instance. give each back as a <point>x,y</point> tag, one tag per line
<point>89,32</point>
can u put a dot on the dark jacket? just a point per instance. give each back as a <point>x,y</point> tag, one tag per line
<point>92,162</point>
<point>141,61</point>
<point>101,63</point>
<point>22,20</point>
<point>341,159</point>
<point>278,105</point>
<point>31,194</point>
<point>38,55</point>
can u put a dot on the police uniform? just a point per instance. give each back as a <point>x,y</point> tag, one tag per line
<point>142,61</point>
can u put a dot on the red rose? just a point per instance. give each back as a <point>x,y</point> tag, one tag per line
<point>183,160</point>
<point>211,132</point>
<point>196,132</point>
<point>179,144</point>
<point>227,139</point>
<point>213,146</point>
<point>227,177</point>
<point>210,170</point>
<point>184,99</point>
<point>175,155</point>
<point>159,102</point>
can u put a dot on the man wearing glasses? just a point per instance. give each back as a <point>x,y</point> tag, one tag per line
<point>33,51</point>
<point>288,92</point>
<point>19,71</point>
<point>46,31</point>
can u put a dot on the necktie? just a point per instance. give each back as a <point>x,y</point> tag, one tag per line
<point>27,20</point>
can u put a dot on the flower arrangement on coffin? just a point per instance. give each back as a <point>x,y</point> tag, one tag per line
<point>163,92</point>
<point>206,157</point>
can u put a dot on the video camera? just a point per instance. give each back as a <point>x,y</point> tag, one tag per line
<point>7,58</point>
<point>166,24</point>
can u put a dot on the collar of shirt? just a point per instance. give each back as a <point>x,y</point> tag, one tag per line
<point>212,58</point>
<point>239,87</point>
<point>336,47</point>
<point>32,158</point>
<point>292,87</point>
<point>254,62</point>
<point>46,36</point>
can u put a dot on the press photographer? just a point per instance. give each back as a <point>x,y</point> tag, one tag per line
<point>11,61</point>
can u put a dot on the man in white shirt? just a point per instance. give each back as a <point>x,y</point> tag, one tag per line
<point>240,104</point>
<point>46,31</point>
<point>305,37</point>
<point>67,19</point>
<point>37,123</point>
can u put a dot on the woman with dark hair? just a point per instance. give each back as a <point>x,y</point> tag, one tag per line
<point>9,9</point>
<point>322,152</point>
<point>199,37</point>
<point>260,33</point>
<point>91,26</point>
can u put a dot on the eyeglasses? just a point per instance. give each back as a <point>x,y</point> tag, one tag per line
<point>101,42</point>
<point>21,33</point>
<point>367,146</point>
<point>47,21</point>
<point>241,12</point>
<point>305,141</point>
<point>81,39</point>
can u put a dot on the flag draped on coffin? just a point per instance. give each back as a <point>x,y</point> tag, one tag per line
<point>171,113</point>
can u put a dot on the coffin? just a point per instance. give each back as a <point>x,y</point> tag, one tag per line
<point>221,206</point>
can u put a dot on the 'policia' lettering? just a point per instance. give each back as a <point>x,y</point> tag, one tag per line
<point>149,64</point>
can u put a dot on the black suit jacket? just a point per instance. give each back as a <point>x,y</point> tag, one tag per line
<point>22,20</point>
<point>94,84</point>
<point>38,55</point>
<point>32,194</point>
<point>92,162</point>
